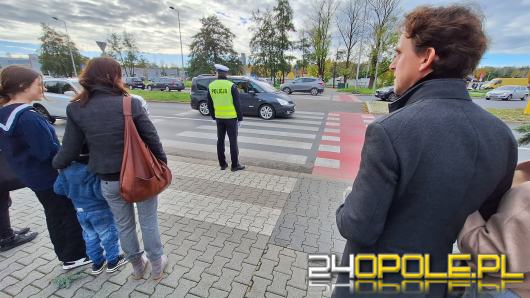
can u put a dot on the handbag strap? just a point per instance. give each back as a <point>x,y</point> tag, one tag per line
<point>127,106</point>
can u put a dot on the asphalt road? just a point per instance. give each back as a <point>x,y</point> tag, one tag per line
<point>292,143</point>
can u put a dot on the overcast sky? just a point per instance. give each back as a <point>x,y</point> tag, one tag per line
<point>155,26</point>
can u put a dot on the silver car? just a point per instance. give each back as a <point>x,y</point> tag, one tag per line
<point>508,92</point>
<point>314,86</point>
<point>59,93</point>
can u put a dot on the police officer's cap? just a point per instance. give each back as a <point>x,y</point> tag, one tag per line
<point>220,67</point>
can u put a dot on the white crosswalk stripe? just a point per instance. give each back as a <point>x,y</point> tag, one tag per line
<point>250,140</point>
<point>280,125</point>
<point>266,132</point>
<point>244,152</point>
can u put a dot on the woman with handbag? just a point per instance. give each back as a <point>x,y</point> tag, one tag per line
<point>96,116</point>
<point>10,238</point>
<point>28,143</point>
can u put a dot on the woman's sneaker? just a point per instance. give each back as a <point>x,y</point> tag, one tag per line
<point>111,267</point>
<point>97,269</point>
<point>75,264</point>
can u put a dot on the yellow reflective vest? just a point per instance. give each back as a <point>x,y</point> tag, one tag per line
<point>223,103</point>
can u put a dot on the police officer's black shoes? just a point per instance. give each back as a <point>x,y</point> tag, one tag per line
<point>238,168</point>
<point>224,167</point>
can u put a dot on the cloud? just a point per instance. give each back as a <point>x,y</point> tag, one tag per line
<point>155,26</point>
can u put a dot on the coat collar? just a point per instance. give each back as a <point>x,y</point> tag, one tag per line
<point>432,89</point>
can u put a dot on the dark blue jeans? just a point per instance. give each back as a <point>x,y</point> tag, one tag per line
<point>100,230</point>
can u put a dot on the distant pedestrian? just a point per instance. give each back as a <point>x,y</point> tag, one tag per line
<point>9,237</point>
<point>99,230</point>
<point>29,143</point>
<point>96,116</point>
<point>224,106</point>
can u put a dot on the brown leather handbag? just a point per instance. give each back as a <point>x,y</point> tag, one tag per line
<point>142,175</point>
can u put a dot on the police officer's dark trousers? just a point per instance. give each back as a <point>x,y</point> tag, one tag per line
<point>225,126</point>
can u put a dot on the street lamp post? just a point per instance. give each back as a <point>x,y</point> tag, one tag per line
<point>180,37</point>
<point>68,40</point>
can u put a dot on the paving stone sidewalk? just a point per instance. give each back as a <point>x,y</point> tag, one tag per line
<point>242,234</point>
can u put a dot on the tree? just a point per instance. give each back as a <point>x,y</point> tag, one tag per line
<point>349,26</point>
<point>320,32</point>
<point>283,20</point>
<point>303,45</point>
<point>263,44</point>
<point>125,50</point>
<point>383,20</point>
<point>213,44</point>
<point>54,53</point>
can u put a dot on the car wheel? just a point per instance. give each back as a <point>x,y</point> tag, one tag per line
<point>524,97</point>
<point>266,112</point>
<point>42,110</point>
<point>149,88</point>
<point>487,98</point>
<point>203,108</point>
<point>314,91</point>
<point>167,89</point>
<point>287,90</point>
<point>509,97</point>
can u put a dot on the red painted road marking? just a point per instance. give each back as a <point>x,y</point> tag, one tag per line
<point>344,97</point>
<point>352,129</point>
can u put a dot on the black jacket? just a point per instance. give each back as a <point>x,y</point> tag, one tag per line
<point>101,123</point>
<point>425,167</point>
<point>235,98</point>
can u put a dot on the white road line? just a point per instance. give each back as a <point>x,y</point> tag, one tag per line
<point>157,120</point>
<point>333,114</point>
<point>309,113</point>
<point>332,130</point>
<point>333,118</point>
<point>329,148</point>
<point>266,132</point>
<point>288,121</point>
<point>332,124</point>
<point>250,140</point>
<point>295,116</point>
<point>244,152</point>
<point>327,163</point>
<point>330,138</point>
<point>187,113</point>
<point>279,125</point>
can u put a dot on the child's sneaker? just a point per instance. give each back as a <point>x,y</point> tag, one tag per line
<point>75,264</point>
<point>120,261</point>
<point>97,269</point>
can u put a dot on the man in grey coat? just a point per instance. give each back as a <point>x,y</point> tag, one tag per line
<point>437,157</point>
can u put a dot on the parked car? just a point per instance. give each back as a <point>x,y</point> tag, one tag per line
<point>59,93</point>
<point>508,92</point>
<point>314,86</point>
<point>386,93</point>
<point>256,98</point>
<point>134,82</point>
<point>166,84</point>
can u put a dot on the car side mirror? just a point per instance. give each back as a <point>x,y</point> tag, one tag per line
<point>69,93</point>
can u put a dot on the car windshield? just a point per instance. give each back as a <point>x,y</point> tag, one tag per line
<point>266,87</point>
<point>505,88</point>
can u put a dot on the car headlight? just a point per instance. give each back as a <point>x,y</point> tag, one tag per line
<point>283,102</point>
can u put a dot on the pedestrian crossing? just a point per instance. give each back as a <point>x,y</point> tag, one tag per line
<point>291,140</point>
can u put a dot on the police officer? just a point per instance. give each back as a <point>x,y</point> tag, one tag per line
<point>223,102</point>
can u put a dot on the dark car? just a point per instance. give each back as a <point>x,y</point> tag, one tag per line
<point>134,82</point>
<point>256,98</point>
<point>166,83</point>
<point>386,94</point>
